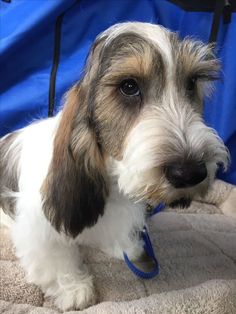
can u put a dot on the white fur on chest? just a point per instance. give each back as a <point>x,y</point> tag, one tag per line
<point>117,230</point>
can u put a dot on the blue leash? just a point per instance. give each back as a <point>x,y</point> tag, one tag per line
<point>158,209</point>
<point>149,251</point>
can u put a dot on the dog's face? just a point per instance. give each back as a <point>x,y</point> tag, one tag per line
<point>147,108</point>
<point>137,111</point>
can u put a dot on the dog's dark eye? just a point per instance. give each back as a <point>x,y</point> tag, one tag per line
<point>129,88</point>
<point>191,83</point>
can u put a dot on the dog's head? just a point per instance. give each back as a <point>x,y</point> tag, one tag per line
<point>137,111</point>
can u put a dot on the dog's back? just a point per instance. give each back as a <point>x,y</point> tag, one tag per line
<point>9,158</point>
<point>22,154</point>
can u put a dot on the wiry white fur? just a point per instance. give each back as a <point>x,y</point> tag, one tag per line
<point>168,127</point>
<point>166,131</point>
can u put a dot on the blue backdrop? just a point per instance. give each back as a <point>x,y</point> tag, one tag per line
<point>27,39</point>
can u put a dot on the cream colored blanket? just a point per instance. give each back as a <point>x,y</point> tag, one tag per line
<point>196,249</point>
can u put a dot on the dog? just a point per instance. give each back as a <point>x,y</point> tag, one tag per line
<point>130,132</point>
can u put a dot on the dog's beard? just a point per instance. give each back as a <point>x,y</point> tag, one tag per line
<point>152,144</point>
<point>148,186</point>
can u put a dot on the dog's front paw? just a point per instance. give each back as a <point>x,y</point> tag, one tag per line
<point>70,294</point>
<point>79,297</point>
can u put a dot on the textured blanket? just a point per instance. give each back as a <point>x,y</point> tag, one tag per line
<point>196,249</point>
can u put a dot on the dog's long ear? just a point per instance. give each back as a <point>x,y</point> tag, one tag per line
<point>75,189</point>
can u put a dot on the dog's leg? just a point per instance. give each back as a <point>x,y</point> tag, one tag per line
<point>51,260</point>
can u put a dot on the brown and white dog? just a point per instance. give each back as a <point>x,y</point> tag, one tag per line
<point>130,132</point>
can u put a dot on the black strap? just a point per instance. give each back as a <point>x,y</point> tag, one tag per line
<point>200,5</point>
<point>219,7</point>
<point>216,20</point>
<point>223,7</point>
<point>227,12</point>
<point>56,60</point>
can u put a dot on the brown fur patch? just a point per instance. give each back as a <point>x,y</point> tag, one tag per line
<point>195,60</point>
<point>127,56</point>
<point>139,64</point>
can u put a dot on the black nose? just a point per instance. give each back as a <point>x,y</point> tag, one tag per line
<point>187,174</point>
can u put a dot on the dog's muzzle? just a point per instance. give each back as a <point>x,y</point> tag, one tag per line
<point>185,174</point>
